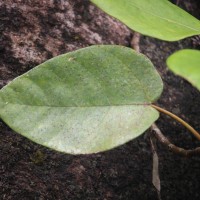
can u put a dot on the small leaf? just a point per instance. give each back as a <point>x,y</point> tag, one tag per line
<point>186,63</point>
<point>157,18</point>
<point>86,101</point>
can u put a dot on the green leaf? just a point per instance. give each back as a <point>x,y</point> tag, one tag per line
<point>186,63</point>
<point>86,101</point>
<point>157,18</point>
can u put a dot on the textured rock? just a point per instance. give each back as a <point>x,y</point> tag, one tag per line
<point>37,30</point>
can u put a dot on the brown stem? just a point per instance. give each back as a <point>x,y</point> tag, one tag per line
<point>155,170</point>
<point>135,42</point>
<point>177,2</point>
<point>191,129</point>
<point>178,150</point>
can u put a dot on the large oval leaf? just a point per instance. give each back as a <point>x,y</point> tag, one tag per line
<point>157,18</point>
<point>85,101</point>
<point>186,63</point>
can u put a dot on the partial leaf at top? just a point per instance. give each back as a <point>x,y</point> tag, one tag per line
<point>85,101</point>
<point>186,63</point>
<point>157,18</point>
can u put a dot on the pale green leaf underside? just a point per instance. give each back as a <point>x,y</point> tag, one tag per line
<point>86,101</point>
<point>186,63</point>
<point>157,18</point>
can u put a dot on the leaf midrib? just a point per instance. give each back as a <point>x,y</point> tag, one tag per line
<point>54,106</point>
<point>165,19</point>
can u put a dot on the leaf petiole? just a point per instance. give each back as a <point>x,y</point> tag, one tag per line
<point>191,129</point>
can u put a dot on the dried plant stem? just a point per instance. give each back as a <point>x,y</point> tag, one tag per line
<point>183,152</point>
<point>155,170</point>
<point>135,42</point>
<point>177,2</point>
<point>192,130</point>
